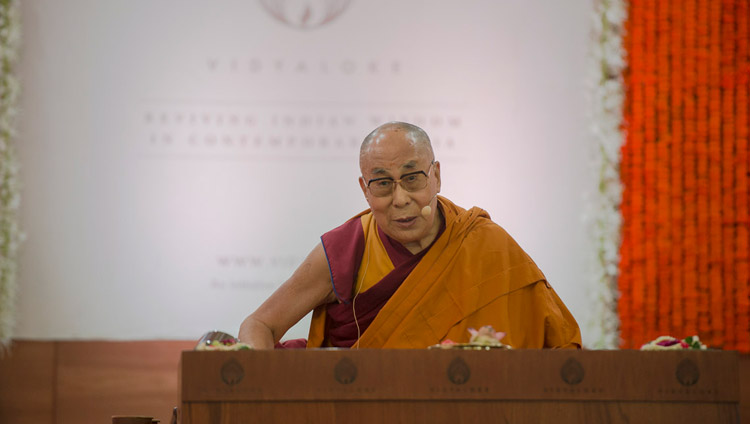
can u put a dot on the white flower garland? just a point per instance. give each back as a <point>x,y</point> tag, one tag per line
<point>10,198</point>
<point>608,94</point>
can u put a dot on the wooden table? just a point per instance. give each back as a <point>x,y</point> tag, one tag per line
<point>456,386</point>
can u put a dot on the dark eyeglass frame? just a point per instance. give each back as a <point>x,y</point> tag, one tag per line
<point>398,181</point>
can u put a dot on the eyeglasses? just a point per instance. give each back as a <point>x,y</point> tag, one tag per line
<point>413,181</point>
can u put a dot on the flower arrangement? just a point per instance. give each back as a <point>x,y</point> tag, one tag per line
<point>484,338</point>
<point>671,343</point>
<point>232,344</point>
<point>10,234</point>
<point>219,340</point>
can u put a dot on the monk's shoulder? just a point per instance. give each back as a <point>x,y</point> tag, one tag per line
<point>477,224</point>
<point>490,241</point>
<point>485,230</point>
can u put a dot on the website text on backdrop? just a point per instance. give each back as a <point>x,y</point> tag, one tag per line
<point>413,270</point>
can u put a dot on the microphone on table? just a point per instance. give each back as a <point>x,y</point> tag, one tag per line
<point>427,210</point>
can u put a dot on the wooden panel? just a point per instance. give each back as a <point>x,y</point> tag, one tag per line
<point>745,388</point>
<point>27,376</point>
<point>140,377</point>
<point>440,374</point>
<point>99,379</point>
<point>459,412</point>
<point>459,386</point>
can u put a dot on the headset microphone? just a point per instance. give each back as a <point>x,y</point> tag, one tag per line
<point>427,210</point>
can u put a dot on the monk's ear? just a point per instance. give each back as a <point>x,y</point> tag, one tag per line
<point>363,186</point>
<point>437,174</point>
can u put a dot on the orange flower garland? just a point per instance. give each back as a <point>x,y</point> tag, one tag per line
<point>702,230</point>
<point>663,175</point>
<point>742,114</point>
<point>685,252</point>
<point>649,309</point>
<point>676,161</point>
<point>689,174</point>
<point>726,209</point>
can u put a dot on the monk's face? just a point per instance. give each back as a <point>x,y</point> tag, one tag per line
<point>399,214</point>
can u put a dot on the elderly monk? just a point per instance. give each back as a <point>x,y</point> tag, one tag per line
<point>413,270</point>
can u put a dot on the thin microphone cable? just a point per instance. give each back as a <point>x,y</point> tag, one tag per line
<point>354,301</point>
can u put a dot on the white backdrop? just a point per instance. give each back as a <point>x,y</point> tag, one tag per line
<point>180,158</point>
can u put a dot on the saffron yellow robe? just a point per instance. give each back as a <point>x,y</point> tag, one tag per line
<point>473,275</point>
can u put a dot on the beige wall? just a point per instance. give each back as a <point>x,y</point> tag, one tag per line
<point>166,148</point>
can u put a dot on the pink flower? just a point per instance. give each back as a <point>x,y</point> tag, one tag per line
<point>670,342</point>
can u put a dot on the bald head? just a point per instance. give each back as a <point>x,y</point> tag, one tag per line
<point>416,136</point>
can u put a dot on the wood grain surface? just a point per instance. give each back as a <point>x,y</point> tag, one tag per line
<point>459,386</point>
<point>27,383</point>
<point>87,382</point>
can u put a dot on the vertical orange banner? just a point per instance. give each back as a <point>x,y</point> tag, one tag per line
<point>685,252</point>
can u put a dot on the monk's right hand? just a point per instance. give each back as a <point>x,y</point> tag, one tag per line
<point>309,287</point>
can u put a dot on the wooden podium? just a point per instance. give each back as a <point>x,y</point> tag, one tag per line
<point>459,386</point>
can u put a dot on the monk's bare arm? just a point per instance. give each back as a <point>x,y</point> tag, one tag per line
<point>308,287</point>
